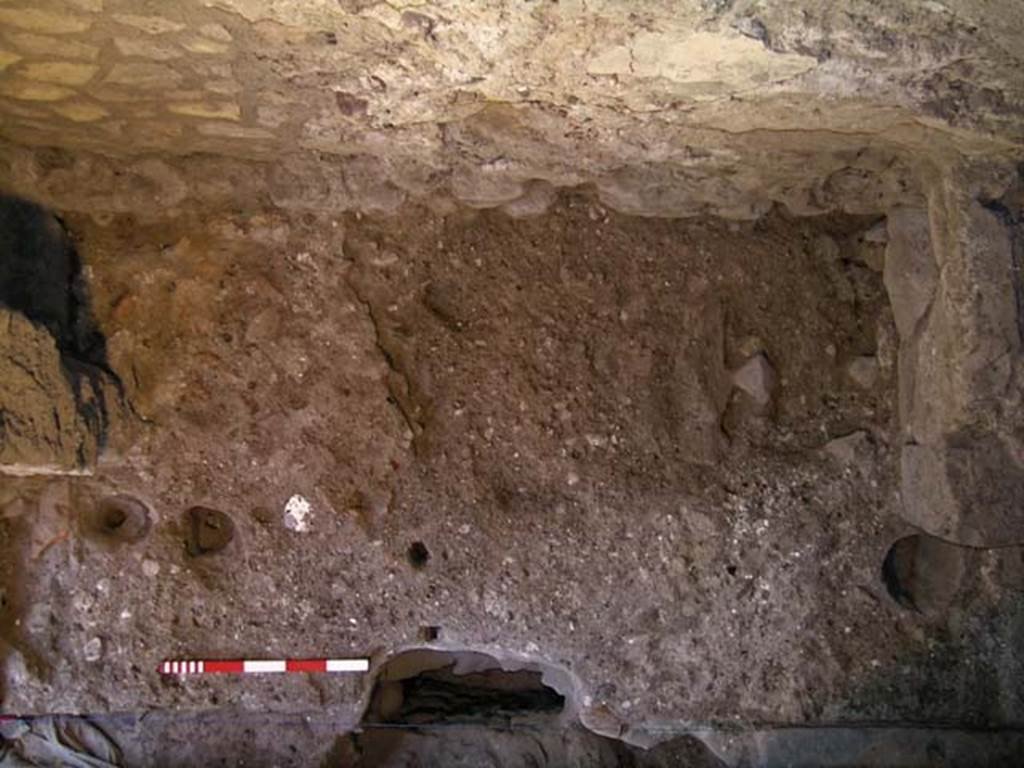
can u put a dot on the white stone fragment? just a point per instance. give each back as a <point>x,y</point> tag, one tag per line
<point>756,377</point>
<point>93,650</point>
<point>863,371</point>
<point>296,512</point>
<point>850,449</point>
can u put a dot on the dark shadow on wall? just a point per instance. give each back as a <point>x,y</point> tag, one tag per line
<point>1009,209</point>
<point>41,277</point>
<point>445,708</point>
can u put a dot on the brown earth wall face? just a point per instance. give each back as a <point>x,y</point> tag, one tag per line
<point>673,349</point>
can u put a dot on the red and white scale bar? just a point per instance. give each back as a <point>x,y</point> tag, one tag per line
<point>260,666</point>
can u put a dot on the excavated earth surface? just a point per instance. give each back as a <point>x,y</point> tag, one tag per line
<point>546,406</point>
<point>659,362</point>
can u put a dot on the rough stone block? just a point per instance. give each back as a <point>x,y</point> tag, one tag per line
<point>854,449</point>
<point>224,110</point>
<point>203,46</point>
<point>59,72</point>
<point>962,477</point>
<point>911,274</point>
<point>20,110</point>
<point>153,25</point>
<point>484,188</point>
<point>45,45</point>
<point>969,489</point>
<point>294,184</point>
<point>534,201</point>
<point>35,20</point>
<point>146,49</point>
<point>7,58</point>
<point>224,87</point>
<point>233,131</point>
<point>81,112</point>
<point>29,91</point>
<point>215,32</point>
<point>143,75</point>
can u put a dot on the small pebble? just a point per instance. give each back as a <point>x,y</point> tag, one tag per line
<point>93,650</point>
<point>757,378</point>
<point>863,371</point>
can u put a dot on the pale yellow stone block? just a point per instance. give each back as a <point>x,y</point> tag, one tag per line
<point>52,46</point>
<point>191,94</point>
<point>147,49</point>
<point>215,32</point>
<point>153,25</point>
<point>81,112</point>
<point>44,21</point>
<point>95,6</point>
<point>14,108</point>
<point>59,72</point>
<point>143,75</point>
<point>232,131</point>
<point>158,129</point>
<point>7,58</point>
<point>202,46</point>
<point>29,91</point>
<point>224,87</point>
<point>218,111</point>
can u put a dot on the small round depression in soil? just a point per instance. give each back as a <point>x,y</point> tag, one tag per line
<point>922,573</point>
<point>209,531</point>
<point>418,555</point>
<point>122,519</point>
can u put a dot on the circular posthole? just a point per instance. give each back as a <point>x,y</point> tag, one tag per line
<point>122,519</point>
<point>923,573</point>
<point>209,531</point>
<point>418,555</point>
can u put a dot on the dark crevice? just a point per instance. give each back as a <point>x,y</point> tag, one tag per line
<point>397,397</point>
<point>438,708</point>
<point>41,277</point>
<point>898,571</point>
<point>1010,211</point>
<point>431,687</point>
